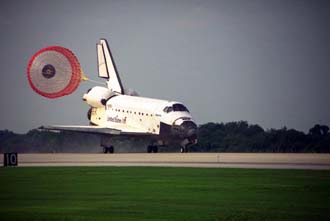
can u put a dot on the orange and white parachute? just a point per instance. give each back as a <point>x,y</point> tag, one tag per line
<point>54,72</point>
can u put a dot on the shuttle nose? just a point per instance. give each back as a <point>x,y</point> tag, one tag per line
<point>189,128</point>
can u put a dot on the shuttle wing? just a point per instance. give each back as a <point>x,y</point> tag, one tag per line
<point>107,68</point>
<point>83,129</point>
<point>92,130</point>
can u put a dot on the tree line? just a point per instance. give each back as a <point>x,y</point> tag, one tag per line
<point>212,137</point>
<point>243,137</point>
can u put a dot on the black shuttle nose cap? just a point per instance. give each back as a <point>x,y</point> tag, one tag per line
<point>190,128</point>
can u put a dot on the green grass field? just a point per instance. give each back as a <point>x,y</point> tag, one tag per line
<point>142,193</point>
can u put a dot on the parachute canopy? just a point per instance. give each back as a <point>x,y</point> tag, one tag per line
<point>54,72</point>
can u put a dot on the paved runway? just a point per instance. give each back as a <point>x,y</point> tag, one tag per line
<point>211,160</point>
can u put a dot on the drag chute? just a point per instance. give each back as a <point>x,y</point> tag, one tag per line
<point>54,72</point>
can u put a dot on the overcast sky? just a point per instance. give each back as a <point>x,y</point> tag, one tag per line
<point>266,62</point>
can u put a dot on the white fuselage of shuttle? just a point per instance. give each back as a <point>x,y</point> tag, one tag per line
<point>137,114</point>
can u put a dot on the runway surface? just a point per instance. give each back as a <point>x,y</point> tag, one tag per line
<point>210,160</point>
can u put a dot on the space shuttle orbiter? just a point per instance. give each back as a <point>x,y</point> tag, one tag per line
<point>115,113</point>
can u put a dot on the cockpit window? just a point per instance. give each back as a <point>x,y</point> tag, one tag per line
<point>179,107</point>
<point>175,107</point>
<point>168,109</point>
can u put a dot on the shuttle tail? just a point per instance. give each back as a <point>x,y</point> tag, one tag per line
<point>107,67</point>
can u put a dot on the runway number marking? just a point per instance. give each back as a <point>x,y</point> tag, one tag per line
<point>10,159</point>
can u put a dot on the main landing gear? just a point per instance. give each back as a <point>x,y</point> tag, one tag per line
<point>106,143</point>
<point>108,149</point>
<point>152,149</point>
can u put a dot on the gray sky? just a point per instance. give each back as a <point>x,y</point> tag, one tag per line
<point>267,62</point>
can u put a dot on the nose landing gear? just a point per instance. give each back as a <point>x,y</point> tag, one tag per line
<point>185,144</point>
<point>184,149</point>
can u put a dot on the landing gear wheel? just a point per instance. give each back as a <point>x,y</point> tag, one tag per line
<point>184,149</point>
<point>105,150</point>
<point>108,149</point>
<point>152,149</point>
<point>149,149</point>
<point>111,149</point>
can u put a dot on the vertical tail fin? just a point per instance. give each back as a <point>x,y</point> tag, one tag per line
<point>107,67</point>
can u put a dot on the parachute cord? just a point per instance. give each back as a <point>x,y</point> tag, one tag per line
<point>97,82</point>
<point>85,78</point>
